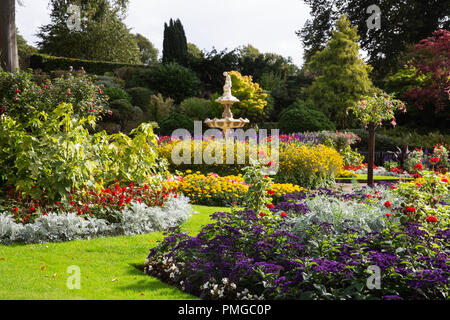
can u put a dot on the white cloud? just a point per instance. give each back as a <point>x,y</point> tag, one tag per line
<point>269,25</point>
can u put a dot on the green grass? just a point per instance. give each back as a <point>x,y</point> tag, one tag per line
<point>39,271</point>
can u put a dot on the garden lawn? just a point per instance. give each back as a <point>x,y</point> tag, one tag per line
<point>110,267</point>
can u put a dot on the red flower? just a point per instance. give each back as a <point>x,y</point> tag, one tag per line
<point>45,213</point>
<point>270,206</point>
<point>17,90</point>
<point>283,215</point>
<point>410,209</point>
<point>270,163</point>
<point>16,210</point>
<point>387,204</point>
<point>434,160</point>
<point>262,214</point>
<point>431,219</point>
<point>444,180</point>
<point>418,184</point>
<point>393,188</point>
<point>369,196</point>
<point>271,192</point>
<point>388,215</point>
<point>33,209</point>
<point>418,166</point>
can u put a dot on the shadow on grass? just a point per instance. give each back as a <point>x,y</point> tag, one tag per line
<point>146,283</point>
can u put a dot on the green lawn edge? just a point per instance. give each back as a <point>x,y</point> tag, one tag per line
<point>109,267</point>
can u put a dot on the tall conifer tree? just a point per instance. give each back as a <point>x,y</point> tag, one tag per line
<point>341,76</point>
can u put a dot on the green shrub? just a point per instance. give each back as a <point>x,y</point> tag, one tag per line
<point>116,94</point>
<point>109,81</point>
<point>302,117</point>
<point>52,153</point>
<point>196,108</point>
<point>159,108</point>
<point>20,96</point>
<point>391,165</point>
<point>122,109</point>
<point>175,121</point>
<point>140,97</point>
<point>171,80</point>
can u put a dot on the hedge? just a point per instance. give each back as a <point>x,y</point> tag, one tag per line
<point>50,63</point>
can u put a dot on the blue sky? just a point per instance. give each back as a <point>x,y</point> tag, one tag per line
<point>269,25</point>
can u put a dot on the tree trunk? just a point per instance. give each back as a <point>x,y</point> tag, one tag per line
<point>9,59</point>
<point>371,156</point>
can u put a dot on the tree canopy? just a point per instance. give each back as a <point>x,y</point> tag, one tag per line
<point>103,35</point>
<point>149,53</point>
<point>403,23</point>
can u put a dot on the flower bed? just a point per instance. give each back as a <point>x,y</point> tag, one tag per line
<point>319,245</point>
<point>301,161</point>
<point>118,209</point>
<point>214,190</point>
<point>138,218</point>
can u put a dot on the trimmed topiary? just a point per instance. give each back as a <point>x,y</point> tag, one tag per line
<point>302,117</point>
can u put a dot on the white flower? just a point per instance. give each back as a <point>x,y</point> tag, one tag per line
<point>225,281</point>
<point>233,286</point>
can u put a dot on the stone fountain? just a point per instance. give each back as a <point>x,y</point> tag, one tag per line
<point>227,100</point>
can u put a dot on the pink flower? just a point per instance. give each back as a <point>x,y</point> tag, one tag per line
<point>394,123</point>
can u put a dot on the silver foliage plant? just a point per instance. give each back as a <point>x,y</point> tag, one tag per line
<point>138,219</point>
<point>341,215</point>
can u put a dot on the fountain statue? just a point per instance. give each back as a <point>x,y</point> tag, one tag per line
<point>227,100</point>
